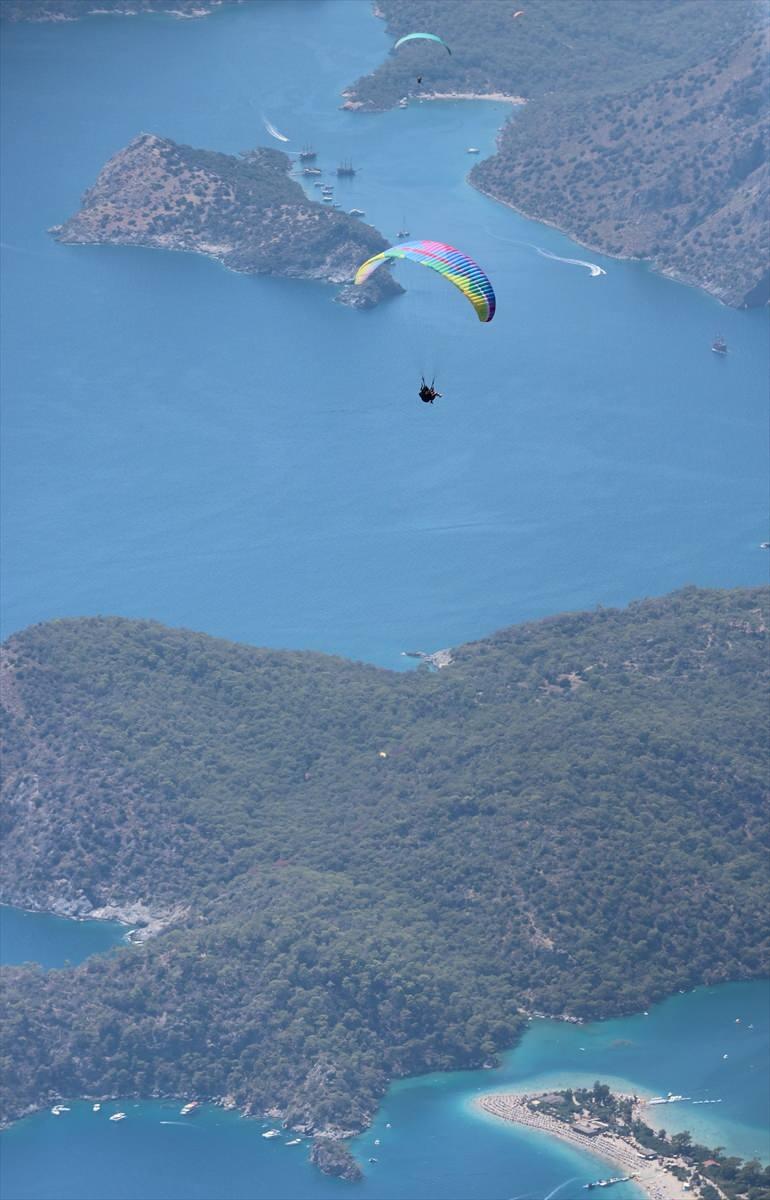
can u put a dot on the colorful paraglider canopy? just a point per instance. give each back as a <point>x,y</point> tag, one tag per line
<point>430,37</point>
<point>460,270</point>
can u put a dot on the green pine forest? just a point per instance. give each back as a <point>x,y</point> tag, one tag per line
<point>366,873</point>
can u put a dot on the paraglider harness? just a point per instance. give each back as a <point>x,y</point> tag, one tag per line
<point>428,392</point>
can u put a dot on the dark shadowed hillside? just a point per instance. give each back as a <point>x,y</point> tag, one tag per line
<point>365,874</point>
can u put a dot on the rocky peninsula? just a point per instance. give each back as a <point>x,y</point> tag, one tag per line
<point>244,211</point>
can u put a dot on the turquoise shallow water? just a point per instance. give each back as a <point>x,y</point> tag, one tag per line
<point>245,457</point>
<point>433,1142</point>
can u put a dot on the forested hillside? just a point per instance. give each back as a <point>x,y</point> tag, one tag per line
<point>373,874</point>
<point>647,129</point>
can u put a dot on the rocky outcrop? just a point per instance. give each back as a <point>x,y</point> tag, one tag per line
<point>243,211</point>
<point>334,1158</point>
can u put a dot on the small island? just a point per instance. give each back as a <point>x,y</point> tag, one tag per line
<point>612,1126</point>
<point>244,211</point>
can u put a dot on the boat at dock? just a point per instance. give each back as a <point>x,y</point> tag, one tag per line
<point>357,212</point>
<point>603,1183</point>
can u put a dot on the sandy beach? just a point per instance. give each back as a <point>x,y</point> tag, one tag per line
<point>470,96</point>
<point>623,1153</point>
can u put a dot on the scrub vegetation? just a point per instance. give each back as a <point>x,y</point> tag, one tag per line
<point>374,874</point>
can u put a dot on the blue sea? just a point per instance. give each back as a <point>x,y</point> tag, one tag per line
<point>429,1139</point>
<point>245,457</point>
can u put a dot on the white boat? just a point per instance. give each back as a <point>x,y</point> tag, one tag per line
<point>472,150</point>
<point>118,1117</point>
<point>357,212</point>
<point>670,1098</point>
<point>271,1133</point>
<point>293,1142</point>
<point>96,1108</point>
<point>58,1109</point>
<point>188,1108</point>
<point>403,102</point>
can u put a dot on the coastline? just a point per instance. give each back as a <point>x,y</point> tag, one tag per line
<point>623,1153</point>
<point>660,269</point>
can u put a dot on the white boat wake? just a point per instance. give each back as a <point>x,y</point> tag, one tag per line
<point>594,268</point>
<point>271,129</point>
<point>556,1190</point>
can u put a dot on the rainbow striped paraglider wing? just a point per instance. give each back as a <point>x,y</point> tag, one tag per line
<point>460,270</point>
<point>426,37</point>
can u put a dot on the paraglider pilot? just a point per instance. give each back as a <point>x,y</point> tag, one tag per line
<point>428,392</point>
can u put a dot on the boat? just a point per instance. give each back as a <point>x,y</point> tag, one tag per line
<point>58,1109</point>
<point>188,1108</point>
<point>372,1160</point>
<point>293,1142</point>
<point>669,1098</point>
<point>603,1183</point>
<point>317,184</point>
<point>403,233</point>
<point>403,102</point>
<point>326,199</point>
<point>762,546</point>
<point>719,345</point>
<point>346,167</point>
<point>271,1133</point>
<point>357,212</point>
<point>96,1108</point>
<point>312,171</point>
<point>118,1117</point>
<point>307,154</point>
<point>472,150</point>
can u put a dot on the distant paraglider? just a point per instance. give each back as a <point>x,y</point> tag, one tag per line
<point>455,266</point>
<point>429,37</point>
